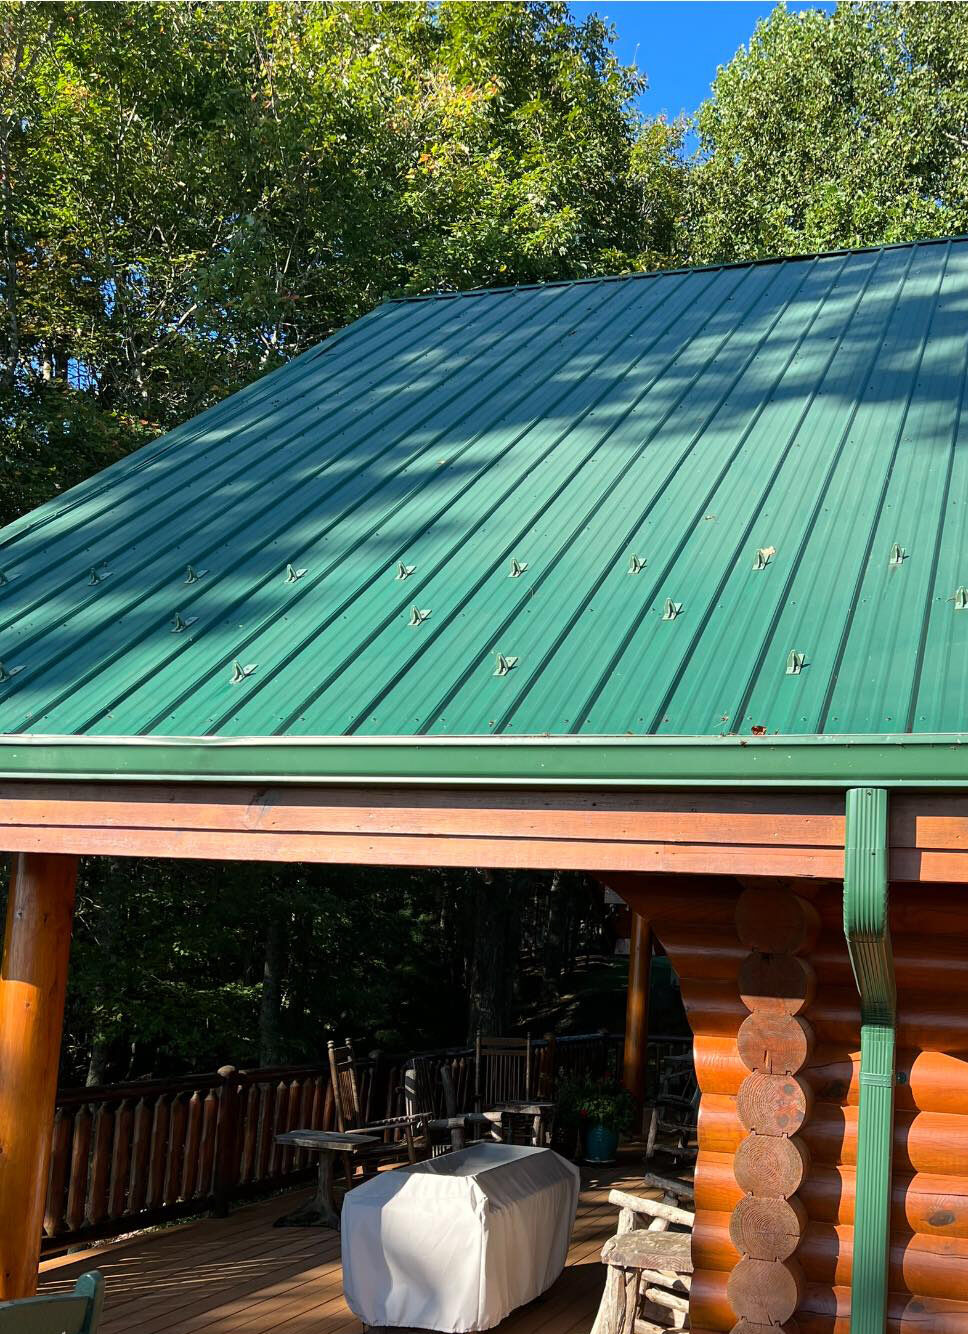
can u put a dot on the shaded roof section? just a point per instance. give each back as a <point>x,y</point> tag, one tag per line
<point>689,503</point>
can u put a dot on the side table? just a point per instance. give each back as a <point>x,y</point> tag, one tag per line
<point>321,1211</point>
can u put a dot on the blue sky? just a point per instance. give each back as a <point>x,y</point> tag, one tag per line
<point>680,43</point>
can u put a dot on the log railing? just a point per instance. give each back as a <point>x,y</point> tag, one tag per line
<point>126,1156</point>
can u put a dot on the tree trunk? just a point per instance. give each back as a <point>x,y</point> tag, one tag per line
<point>105,917</point>
<point>97,1061</point>
<point>551,961</point>
<point>486,989</point>
<point>270,1006</point>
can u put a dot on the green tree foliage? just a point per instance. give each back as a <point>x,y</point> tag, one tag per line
<point>185,965</point>
<point>835,130</point>
<point>179,965</point>
<point>192,192</point>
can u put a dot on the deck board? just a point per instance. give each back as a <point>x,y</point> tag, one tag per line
<point>239,1275</point>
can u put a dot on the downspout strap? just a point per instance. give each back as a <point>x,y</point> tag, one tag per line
<point>869,946</point>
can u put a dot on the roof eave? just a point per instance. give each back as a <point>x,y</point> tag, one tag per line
<point>794,761</point>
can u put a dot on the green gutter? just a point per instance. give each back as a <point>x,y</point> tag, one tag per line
<point>869,944</point>
<point>838,762</point>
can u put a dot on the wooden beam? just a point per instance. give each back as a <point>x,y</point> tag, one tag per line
<point>33,981</point>
<point>683,832</point>
<point>766,834</point>
<point>637,1007</point>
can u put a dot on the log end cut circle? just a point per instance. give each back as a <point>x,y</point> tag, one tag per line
<point>776,921</point>
<point>782,983</point>
<point>765,1292</point>
<point>773,1104</point>
<point>777,1044</point>
<point>767,1229</point>
<point>771,1166</point>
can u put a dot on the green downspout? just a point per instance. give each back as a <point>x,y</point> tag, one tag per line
<point>869,945</point>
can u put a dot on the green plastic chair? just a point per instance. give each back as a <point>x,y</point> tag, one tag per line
<point>77,1312</point>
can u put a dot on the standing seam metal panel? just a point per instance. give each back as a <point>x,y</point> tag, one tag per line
<point>812,407</point>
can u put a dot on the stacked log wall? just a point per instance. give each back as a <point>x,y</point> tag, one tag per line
<point>695,921</point>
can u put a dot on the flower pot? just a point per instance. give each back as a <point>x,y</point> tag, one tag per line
<point>600,1144</point>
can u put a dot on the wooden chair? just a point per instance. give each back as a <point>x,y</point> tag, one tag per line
<point>649,1261</point>
<point>77,1312</point>
<point>503,1074</point>
<point>502,1071</point>
<point>346,1096</point>
<point>447,1133</point>
<point>671,1121</point>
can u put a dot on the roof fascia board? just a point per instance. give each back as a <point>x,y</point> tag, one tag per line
<point>831,762</point>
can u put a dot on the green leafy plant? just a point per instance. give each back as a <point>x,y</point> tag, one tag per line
<point>596,1102</point>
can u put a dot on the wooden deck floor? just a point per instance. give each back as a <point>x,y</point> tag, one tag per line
<point>239,1275</point>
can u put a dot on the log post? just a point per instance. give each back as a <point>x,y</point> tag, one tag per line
<point>33,982</point>
<point>637,1008</point>
<point>774,1043</point>
<point>226,1140</point>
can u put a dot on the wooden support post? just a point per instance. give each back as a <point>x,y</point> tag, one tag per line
<point>774,1043</point>
<point>226,1176</point>
<point>32,985</point>
<point>637,1007</point>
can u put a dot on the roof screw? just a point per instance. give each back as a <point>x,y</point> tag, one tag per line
<point>182,623</point>
<point>671,610</point>
<point>239,673</point>
<point>636,564</point>
<point>192,575</point>
<point>762,558</point>
<point>518,568</point>
<point>418,615</point>
<point>961,598</point>
<point>7,673</point>
<point>292,574</point>
<point>404,571</point>
<point>504,664</point>
<point>898,555</point>
<point>795,662</point>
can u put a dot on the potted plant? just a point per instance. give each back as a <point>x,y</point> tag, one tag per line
<point>600,1110</point>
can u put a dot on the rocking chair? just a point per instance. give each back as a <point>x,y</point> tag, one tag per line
<point>502,1090</point>
<point>346,1095</point>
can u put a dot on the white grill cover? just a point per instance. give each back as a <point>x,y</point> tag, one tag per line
<point>460,1241</point>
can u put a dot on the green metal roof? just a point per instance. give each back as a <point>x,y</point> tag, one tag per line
<point>693,504</point>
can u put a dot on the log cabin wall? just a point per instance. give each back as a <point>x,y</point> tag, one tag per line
<point>695,920</point>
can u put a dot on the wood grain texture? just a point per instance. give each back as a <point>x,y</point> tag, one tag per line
<point>761,834</point>
<point>826,1310</point>
<point>918,1264</point>
<point>931,1204</point>
<point>923,1141</point>
<point>767,1228</point>
<point>40,909</point>
<point>930,1081</point>
<point>683,832</point>
<point>635,1051</point>
<point>777,1044</point>
<point>773,1165</point>
<point>768,1292</point>
<point>773,1104</point>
